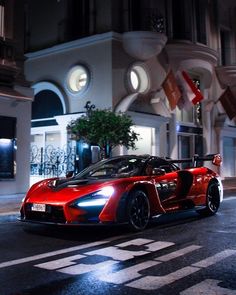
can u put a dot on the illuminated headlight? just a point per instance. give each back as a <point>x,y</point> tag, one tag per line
<point>98,198</point>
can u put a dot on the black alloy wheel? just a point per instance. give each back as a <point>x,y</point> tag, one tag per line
<point>138,210</point>
<point>212,200</point>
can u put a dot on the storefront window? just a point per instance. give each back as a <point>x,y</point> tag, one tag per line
<point>7,147</point>
<point>185,115</point>
<point>53,139</point>
<point>145,140</point>
<point>188,146</point>
<point>229,156</point>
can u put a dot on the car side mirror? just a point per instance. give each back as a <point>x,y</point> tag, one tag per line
<point>69,174</point>
<point>158,171</point>
<point>217,160</point>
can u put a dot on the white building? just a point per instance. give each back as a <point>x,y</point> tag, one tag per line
<point>15,102</point>
<point>116,54</point>
<point>119,60</point>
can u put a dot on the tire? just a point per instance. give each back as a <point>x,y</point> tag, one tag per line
<point>212,200</point>
<point>138,210</point>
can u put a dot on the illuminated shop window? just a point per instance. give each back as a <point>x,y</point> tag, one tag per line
<point>78,79</point>
<point>145,141</point>
<point>7,147</point>
<point>138,79</point>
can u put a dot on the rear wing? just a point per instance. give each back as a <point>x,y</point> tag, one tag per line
<point>216,160</point>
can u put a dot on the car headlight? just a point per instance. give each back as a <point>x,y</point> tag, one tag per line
<point>98,198</point>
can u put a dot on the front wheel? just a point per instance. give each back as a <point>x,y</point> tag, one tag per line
<point>212,200</point>
<point>138,210</point>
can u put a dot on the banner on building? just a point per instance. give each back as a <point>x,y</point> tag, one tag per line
<point>171,89</point>
<point>190,93</point>
<point>228,102</point>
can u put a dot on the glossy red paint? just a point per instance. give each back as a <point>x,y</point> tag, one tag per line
<point>118,190</point>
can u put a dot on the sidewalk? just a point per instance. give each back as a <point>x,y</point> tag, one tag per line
<point>10,204</point>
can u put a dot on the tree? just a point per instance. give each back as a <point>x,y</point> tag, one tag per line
<point>104,128</point>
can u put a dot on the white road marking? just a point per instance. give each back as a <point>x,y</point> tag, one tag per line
<point>156,246</point>
<point>69,266</point>
<point>209,287</point>
<point>130,276</point>
<point>117,254</point>
<point>127,274</point>
<point>156,282</point>
<point>178,253</point>
<point>215,258</point>
<point>136,242</point>
<point>60,263</point>
<point>52,253</point>
<point>85,268</point>
<point>123,255</point>
<point>130,273</point>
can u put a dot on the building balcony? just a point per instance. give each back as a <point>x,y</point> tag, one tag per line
<point>143,45</point>
<point>227,75</point>
<point>189,51</point>
<point>193,57</point>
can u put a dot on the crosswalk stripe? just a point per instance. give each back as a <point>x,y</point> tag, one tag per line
<point>130,273</point>
<point>178,253</point>
<point>208,286</point>
<point>50,254</point>
<point>156,282</point>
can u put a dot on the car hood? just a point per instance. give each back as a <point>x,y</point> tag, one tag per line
<point>61,191</point>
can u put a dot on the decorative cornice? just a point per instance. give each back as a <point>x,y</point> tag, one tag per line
<point>187,50</point>
<point>86,41</point>
<point>227,75</point>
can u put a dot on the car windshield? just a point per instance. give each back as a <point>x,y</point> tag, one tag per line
<point>115,167</point>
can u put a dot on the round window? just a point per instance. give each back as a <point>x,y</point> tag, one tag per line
<point>134,79</point>
<point>78,79</point>
<point>138,79</point>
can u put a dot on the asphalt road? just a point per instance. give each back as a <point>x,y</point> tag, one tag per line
<point>178,254</point>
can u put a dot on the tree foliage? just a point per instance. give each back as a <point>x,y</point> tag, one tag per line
<point>104,128</point>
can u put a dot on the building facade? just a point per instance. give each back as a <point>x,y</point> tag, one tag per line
<point>16,97</point>
<point>116,54</point>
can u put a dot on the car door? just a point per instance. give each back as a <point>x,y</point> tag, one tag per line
<point>166,180</point>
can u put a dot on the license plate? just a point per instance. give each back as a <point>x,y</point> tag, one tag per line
<point>38,207</point>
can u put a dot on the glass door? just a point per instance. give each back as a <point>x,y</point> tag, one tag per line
<point>229,156</point>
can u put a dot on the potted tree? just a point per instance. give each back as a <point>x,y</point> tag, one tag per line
<point>104,128</point>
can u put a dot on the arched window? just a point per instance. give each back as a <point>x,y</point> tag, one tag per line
<point>47,104</point>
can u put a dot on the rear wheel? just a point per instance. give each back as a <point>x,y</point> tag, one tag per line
<point>138,210</point>
<point>212,200</point>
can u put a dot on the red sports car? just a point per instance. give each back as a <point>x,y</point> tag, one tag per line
<point>125,189</point>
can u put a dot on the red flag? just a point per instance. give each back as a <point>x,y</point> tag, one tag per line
<point>190,91</point>
<point>171,90</point>
<point>228,102</point>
